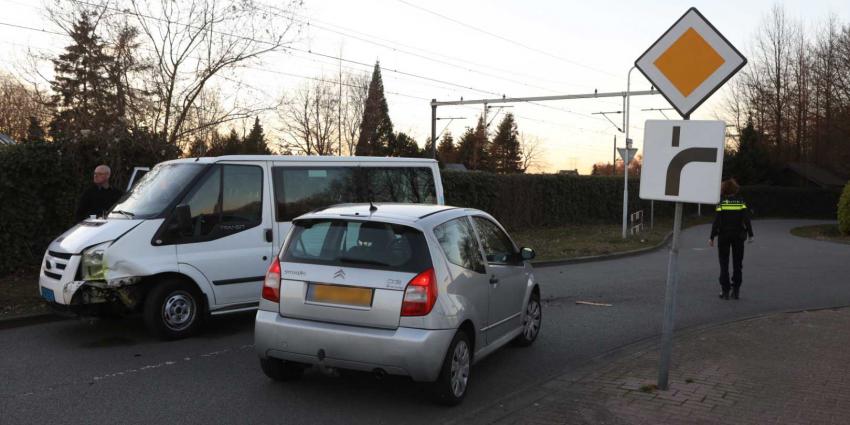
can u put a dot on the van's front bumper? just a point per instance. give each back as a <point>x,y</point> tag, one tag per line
<point>56,277</point>
<point>417,353</point>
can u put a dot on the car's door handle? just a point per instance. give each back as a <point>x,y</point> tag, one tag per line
<point>494,280</point>
<point>269,235</point>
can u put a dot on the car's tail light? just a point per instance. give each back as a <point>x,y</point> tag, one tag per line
<point>420,295</point>
<point>271,286</point>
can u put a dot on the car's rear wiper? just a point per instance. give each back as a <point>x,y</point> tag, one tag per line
<point>361,261</point>
<point>125,213</point>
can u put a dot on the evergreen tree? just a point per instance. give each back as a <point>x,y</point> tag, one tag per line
<point>446,151</point>
<point>197,148</point>
<point>750,164</point>
<point>34,132</point>
<point>255,142</point>
<point>400,144</point>
<point>84,95</point>
<point>472,150</point>
<point>376,128</point>
<point>505,152</point>
<point>232,144</point>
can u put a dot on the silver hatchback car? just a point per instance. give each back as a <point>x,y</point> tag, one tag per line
<point>416,290</point>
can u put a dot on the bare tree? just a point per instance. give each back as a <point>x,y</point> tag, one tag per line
<point>533,153</point>
<point>191,42</point>
<point>310,117</point>
<point>22,103</point>
<point>356,87</point>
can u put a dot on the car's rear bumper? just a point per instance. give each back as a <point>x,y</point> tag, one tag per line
<point>417,353</point>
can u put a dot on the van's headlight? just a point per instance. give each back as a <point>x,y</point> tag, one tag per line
<point>94,262</point>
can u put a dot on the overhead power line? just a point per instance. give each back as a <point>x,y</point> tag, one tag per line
<point>500,37</point>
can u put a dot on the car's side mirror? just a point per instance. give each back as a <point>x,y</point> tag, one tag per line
<point>183,218</point>
<point>527,254</point>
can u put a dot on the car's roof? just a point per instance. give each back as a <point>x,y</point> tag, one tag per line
<point>405,213</point>
<point>292,158</point>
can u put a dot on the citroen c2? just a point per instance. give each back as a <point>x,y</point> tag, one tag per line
<point>194,236</point>
<point>415,290</point>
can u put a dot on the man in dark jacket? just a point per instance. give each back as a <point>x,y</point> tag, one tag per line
<point>99,197</point>
<point>731,226</point>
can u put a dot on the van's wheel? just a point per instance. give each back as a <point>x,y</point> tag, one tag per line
<point>531,321</point>
<point>173,309</point>
<point>450,387</point>
<point>282,370</point>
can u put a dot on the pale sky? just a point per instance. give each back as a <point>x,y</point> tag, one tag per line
<point>534,48</point>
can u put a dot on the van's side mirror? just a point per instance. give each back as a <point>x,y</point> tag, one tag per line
<point>527,254</point>
<point>183,218</point>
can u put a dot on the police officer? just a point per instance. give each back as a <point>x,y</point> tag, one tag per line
<point>731,226</point>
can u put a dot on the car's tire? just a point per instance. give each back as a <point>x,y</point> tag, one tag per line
<point>282,370</point>
<point>174,309</point>
<point>453,382</point>
<point>532,318</point>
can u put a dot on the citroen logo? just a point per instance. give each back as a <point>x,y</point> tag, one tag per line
<point>339,274</point>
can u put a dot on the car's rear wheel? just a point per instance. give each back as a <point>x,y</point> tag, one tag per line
<point>282,370</point>
<point>453,382</point>
<point>173,309</point>
<point>531,321</point>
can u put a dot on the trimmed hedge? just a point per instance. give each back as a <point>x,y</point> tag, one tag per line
<point>543,200</point>
<point>844,211</point>
<point>38,195</point>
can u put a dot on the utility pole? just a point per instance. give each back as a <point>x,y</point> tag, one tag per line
<point>614,162</point>
<point>627,116</point>
<point>339,117</point>
<point>434,128</point>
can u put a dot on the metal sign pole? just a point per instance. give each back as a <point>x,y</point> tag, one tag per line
<point>670,298</point>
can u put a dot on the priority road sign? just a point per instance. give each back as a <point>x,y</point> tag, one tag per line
<point>682,161</point>
<point>690,62</point>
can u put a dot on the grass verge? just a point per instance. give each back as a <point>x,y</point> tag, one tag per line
<point>19,294</point>
<point>19,290</point>
<point>821,232</point>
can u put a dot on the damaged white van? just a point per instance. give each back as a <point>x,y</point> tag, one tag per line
<point>194,236</point>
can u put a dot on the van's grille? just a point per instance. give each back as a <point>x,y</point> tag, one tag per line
<point>55,264</point>
<point>61,255</point>
<point>53,275</point>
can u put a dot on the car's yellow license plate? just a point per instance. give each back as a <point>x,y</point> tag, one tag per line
<point>336,294</point>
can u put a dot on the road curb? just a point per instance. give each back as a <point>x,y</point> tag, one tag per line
<point>28,319</point>
<point>531,393</point>
<point>552,263</point>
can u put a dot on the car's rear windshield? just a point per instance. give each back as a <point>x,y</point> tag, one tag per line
<point>360,244</point>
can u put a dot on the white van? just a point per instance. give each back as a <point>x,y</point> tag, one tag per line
<point>195,236</point>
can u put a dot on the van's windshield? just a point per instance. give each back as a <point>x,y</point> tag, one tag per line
<point>155,191</point>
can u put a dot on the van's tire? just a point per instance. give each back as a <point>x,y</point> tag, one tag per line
<point>174,309</point>
<point>452,384</point>
<point>282,370</point>
<point>532,318</point>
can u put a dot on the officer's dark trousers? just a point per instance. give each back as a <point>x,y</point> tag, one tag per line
<point>736,245</point>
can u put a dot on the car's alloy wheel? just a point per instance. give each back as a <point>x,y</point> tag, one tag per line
<point>531,322</point>
<point>453,382</point>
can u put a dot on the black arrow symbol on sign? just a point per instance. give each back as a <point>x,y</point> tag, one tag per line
<point>685,157</point>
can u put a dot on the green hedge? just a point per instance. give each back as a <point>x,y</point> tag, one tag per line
<point>38,193</point>
<point>522,201</point>
<point>844,211</point>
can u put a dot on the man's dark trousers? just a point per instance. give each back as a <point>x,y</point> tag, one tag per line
<point>736,244</point>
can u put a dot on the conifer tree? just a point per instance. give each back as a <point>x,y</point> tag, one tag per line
<point>255,142</point>
<point>473,148</point>
<point>505,152</point>
<point>83,95</point>
<point>376,128</point>
<point>446,151</point>
<point>34,132</point>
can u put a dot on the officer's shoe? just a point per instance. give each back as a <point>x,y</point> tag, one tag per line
<point>735,294</point>
<point>724,295</point>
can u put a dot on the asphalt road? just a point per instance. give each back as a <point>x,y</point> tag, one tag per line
<point>93,371</point>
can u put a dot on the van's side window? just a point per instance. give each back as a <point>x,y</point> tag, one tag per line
<point>228,200</point>
<point>299,190</point>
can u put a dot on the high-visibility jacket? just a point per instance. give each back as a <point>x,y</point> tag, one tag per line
<point>732,219</point>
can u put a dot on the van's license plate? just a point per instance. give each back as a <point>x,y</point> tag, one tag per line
<point>336,294</point>
<point>47,294</point>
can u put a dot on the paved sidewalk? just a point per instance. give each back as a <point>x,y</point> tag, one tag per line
<point>790,368</point>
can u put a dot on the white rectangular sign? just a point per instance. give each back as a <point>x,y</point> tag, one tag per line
<point>682,161</point>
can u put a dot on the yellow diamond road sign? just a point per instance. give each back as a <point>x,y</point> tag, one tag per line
<point>690,61</point>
